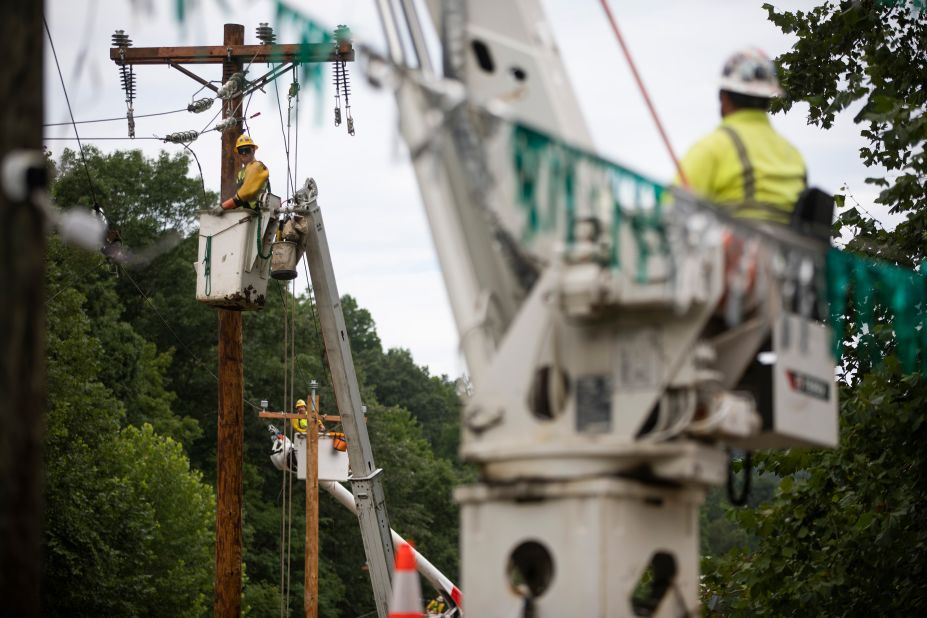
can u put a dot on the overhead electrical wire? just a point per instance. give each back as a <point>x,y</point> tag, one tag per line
<point>148,300</point>
<point>200,168</point>
<point>97,206</point>
<point>93,193</point>
<point>315,318</point>
<point>286,145</point>
<point>185,345</point>
<point>296,138</point>
<point>61,124</point>
<point>95,139</point>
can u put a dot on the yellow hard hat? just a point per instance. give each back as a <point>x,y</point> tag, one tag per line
<point>244,140</point>
<point>299,424</point>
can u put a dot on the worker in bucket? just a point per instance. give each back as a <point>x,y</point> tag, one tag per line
<point>253,179</point>
<point>744,165</point>
<point>301,424</point>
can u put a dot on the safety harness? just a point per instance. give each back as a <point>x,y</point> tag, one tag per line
<point>751,208</point>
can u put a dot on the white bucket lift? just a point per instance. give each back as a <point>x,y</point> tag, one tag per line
<point>230,272</point>
<point>332,463</point>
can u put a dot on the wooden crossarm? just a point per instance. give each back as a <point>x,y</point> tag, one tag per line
<point>331,418</point>
<point>217,54</point>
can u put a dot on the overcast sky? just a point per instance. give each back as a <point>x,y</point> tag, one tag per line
<point>382,251</point>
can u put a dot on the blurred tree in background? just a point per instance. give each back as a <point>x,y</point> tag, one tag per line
<point>846,532</point>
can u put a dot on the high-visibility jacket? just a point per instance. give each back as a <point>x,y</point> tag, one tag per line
<point>745,166</point>
<point>252,181</point>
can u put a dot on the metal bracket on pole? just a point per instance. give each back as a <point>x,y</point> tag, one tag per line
<point>370,477</point>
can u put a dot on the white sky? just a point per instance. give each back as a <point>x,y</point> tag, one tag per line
<point>382,251</point>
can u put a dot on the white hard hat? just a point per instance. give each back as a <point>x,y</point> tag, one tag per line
<point>750,72</point>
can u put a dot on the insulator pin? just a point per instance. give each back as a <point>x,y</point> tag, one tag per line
<point>227,124</point>
<point>265,34</point>
<point>121,39</point>
<point>200,105</point>
<point>181,137</point>
<point>232,87</point>
<point>128,83</point>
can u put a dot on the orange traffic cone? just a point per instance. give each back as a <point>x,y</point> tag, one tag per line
<point>406,601</point>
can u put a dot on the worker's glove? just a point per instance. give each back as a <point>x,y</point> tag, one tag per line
<point>217,211</point>
<point>230,203</point>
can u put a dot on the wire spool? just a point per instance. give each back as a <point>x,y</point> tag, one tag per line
<point>284,255</point>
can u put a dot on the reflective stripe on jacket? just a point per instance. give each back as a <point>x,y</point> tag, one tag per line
<point>746,166</point>
<point>252,181</point>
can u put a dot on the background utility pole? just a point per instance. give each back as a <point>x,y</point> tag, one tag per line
<point>22,320</point>
<point>311,587</point>
<point>231,55</point>
<point>312,417</point>
<point>230,441</point>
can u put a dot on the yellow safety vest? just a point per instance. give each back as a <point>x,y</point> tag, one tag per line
<point>252,181</point>
<point>745,166</point>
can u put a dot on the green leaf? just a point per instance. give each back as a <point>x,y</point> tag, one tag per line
<point>865,520</point>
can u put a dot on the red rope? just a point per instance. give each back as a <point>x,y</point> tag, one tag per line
<point>640,85</point>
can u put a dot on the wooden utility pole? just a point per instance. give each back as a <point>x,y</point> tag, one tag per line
<point>311,594</point>
<point>312,417</point>
<point>230,440</point>
<point>22,319</point>
<point>229,448</point>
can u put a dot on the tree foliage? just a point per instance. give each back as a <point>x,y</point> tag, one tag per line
<point>128,527</point>
<point>870,54</point>
<point>845,534</point>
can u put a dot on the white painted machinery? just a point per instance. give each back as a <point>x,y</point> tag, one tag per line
<point>615,352</point>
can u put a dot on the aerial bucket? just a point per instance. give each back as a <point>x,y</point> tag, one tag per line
<point>283,260</point>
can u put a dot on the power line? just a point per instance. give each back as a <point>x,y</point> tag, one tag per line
<point>80,146</point>
<point>176,336</point>
<point>61,124</point>
<point>315,319</point>
<point>199,167</point>
<point>94,139</point>
<point>291,186</point>
<point>296,138</point>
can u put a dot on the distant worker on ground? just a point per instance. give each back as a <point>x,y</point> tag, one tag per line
<point>744,165</point>
<point>436,607</point>
<point>253,179</point>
